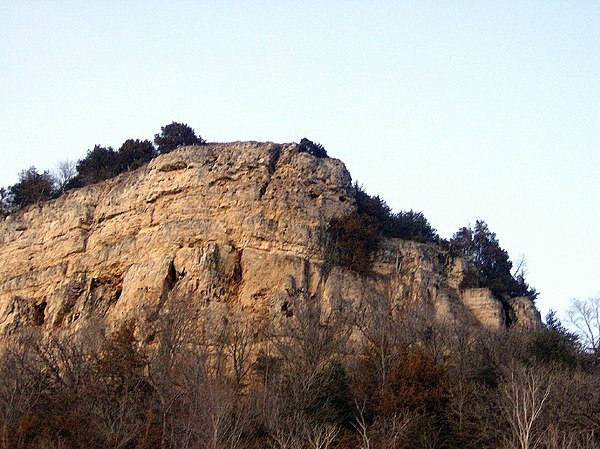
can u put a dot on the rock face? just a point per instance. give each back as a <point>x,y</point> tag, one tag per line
<point>239,226</point>
<point>485,307</point>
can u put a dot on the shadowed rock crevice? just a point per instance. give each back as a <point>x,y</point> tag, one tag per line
<point>271,166</point>
<point>39,313</point>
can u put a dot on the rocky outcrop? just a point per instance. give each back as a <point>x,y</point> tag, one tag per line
<point>487,309</point>
<point>240,226</point>
<point>523,314</point>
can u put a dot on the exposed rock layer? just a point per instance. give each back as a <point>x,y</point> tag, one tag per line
<point>238,225</point>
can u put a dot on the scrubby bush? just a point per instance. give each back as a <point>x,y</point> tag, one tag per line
<point>32,187</point>
<point>356,236</point>
<point>314,149</point>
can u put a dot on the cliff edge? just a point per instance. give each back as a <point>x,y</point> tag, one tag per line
<point>238,226</point>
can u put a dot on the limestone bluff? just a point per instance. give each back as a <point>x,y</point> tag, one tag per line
<point>237,226</point>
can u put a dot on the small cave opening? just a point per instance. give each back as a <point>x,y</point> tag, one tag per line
<point>286,309</point>
<point>39,313</point>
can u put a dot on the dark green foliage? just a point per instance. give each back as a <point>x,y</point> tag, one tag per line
<point>103,163</point>
<point>407,225</point>
<point>176,135</point>
<point>521,288</point>
<point>32,187</point>
<point>133,154</point>
<point>355,239</point>
<point>314,149</point>
<point>356,236</point>
<point>554,344</point>
<point>99,164</point>
<point>410,225</point>
<point>334,404</point>
<point>373,206</point>
<point>488,265</point>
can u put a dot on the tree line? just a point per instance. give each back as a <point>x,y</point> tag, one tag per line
<point>487,264</point>
<point>103,163</point>
<point>351,376</point>
<point>354,239</point>
<point>99,164</point>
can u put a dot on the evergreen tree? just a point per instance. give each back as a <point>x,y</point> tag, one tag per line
<point>176,135</point>
<point>487,264</point>
<point>99,164</point>
<point>32,187</point>
<point>133,154</point>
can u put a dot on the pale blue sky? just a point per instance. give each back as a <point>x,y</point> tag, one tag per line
<point>463,110</point>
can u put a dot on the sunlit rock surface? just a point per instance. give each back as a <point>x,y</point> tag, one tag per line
<point>238,226</point>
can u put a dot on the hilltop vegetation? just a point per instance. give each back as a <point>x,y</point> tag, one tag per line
<point>99,164</point>
<point>487,264</point>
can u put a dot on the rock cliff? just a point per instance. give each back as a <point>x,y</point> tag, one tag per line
<point>240,226</point>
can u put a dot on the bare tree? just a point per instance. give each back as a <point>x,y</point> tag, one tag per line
<point>460,390</point>
<point>236,339</point>
<point>65,171</point>
<point>554,438</point>
<point>22,389</point>
<point>223,420</point>
<point>383,336</point>
<point>118,395</point>
<point>320,436</point>
<point>574,406</point>
<point>307,344</point>
<point>6,202</point>
<point>386,432</point>
<point>361,425</point>
<point>524,396</point>
<point>286,429</point>
<point>175,329</point>
<point>293,429</point>
<point>584,315</point>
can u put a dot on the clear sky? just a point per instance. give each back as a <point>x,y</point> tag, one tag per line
<point>462,110</point>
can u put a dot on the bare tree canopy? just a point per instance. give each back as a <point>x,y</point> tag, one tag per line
<point>584,315</point>
<point>65,171</point>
